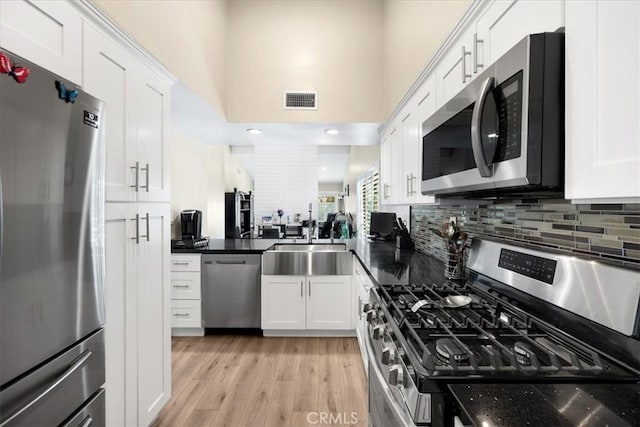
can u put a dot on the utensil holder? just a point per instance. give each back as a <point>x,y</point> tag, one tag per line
<point>454,266</point>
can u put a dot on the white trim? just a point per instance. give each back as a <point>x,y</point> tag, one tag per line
<point>97,17</point>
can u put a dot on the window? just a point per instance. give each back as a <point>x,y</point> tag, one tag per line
<point>327,204</point>
<point>368,199</point>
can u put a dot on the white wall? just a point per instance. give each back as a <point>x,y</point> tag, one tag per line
<point>285,177</point>
<point>188,37</point>
<point>332,47</point>
<point>413,31</point>
<point>330,188</point>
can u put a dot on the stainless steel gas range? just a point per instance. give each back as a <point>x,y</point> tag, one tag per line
<point>532,317</point>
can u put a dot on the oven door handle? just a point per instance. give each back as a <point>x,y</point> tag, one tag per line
<point>476,137</point>
<point>401,412</point>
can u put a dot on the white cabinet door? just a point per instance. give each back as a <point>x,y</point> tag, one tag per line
<point>110,75</point>
<point>396,166</point>
<point>152,97</point>
<point>154,328</point>
<point>426,100</point>
<point>506,22</point>
<point>48,33</point>
<point>385,169</point>
<point>329,302</point>
<point>138,347</point>
<point>121,296</point>
<point>454,70</point>
<point>602,101</point>
<point>283,302</point>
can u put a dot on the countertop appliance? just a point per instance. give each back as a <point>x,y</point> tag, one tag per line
<point>534,318</point>
<point>504,132</point>
<point>231,291</point>
<point>51,252</point>
<point>191,224</point>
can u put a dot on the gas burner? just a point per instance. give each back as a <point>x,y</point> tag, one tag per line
<point>523,353</point>
<point>448,348</point>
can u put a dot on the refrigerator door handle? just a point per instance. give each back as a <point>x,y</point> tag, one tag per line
<point>75,365</point>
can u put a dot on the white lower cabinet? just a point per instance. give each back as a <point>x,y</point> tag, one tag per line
<point>186,300</point>
<point>306,302</point>
<point>362,286</point>
<point>137,329</point>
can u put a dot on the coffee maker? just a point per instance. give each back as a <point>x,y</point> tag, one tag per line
<point>191,224</point>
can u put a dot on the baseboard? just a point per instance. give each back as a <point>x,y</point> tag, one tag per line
<point>308,333</point>
<point>187,332</point>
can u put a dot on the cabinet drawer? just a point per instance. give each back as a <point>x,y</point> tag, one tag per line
<point>185,285</point>
<point>186,314</point>
<point>185,262</point>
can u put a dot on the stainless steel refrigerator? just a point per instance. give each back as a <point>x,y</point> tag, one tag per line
<point>51,252</point>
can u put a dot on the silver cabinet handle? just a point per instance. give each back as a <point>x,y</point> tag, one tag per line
<point>146,172</point>
<point>232,262</point>
<point>408,190</point>
<point>301,291</point>
<point>137,180</point>
<point>137,220</point>
<point>75,365</point>
<point>146,218</point>
<point>476,138</point>
<point>87,421</point>
<point>309,287</point>
<point>180,314</point>
<point>181,286</point>
<point>464,65</point>
<point>185,263</point>
<point>359,308</point>
<point>476,64</point>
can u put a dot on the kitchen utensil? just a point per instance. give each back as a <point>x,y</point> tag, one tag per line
<point>455,301</point>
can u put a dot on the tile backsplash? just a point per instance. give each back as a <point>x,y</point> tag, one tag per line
<point>605,231</point>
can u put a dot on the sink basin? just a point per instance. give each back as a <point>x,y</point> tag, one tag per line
<point>308,260</point>
<point>305,247</point>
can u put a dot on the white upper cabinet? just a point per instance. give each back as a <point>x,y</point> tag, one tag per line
<point>505,22</point>
<point>48,33</point>
<point>454,70</point>
<point>385,168</point>
<point>136,109</point>
<point>602,101</point>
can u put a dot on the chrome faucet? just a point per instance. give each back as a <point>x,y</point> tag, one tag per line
<point>310,231</point>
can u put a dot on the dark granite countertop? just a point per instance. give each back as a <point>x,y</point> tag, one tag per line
<point>550,404</point>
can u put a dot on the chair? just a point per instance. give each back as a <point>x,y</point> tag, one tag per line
<point>325,230</point>
<point>270,233</point>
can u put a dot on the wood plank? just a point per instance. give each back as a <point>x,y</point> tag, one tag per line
<point>259,381</point>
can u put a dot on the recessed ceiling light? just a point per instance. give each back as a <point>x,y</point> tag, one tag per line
<point>254,131</point>
<point>331,131</point>
<point>323,168</point>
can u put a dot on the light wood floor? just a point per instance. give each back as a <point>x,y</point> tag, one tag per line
<point>250,381</point>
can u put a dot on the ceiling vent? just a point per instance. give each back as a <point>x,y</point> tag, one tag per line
<point>300,100</point>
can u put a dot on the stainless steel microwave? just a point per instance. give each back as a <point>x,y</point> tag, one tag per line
<point>504,132</point>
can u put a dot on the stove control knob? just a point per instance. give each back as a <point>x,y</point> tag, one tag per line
<point>366,307</point>
<point>388,355</point>
<point>395,375</point>
<point>371,315</point>
<point>378,332</point>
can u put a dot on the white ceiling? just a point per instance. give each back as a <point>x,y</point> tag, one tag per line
<point>191,115</point>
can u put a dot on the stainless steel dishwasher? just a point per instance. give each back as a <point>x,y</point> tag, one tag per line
<point>231,291</point>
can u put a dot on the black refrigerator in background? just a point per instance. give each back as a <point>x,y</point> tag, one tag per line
<point>238,215</point>
<point>52,313</point>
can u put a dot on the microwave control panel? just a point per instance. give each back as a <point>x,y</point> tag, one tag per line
<point>508,97</point>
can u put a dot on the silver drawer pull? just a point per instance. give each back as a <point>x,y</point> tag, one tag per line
<point>75,365</point>
<point>137,169</point>
<point>146,186</point>
<point>180,263</point>
<point>230,262</point>
<point>181,315</point>
<point>181,286</point>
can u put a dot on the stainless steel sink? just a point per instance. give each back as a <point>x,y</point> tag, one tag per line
<point>309,260</point>
<point>319,247</point>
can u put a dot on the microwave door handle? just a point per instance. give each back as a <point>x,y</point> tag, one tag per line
<point>476,137</point>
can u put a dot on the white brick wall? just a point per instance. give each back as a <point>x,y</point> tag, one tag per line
<point>285,177</point>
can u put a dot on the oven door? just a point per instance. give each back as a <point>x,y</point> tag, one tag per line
<point>385,408</point>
